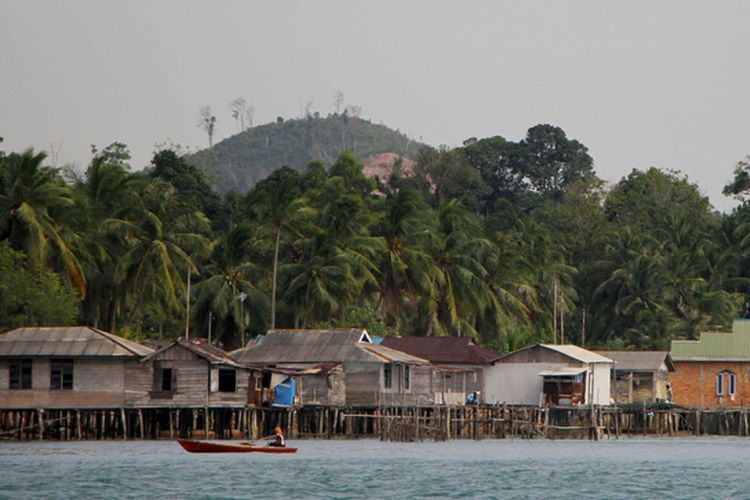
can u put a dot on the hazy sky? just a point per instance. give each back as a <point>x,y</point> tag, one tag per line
<point>641,83</point>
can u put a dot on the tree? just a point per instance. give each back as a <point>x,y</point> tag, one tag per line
<point>32,296</point>
<point>277,203</point>
<point>461,291</point>
<point>452,177</point>
<point>208,123</point>
<point>406,269</point>
<point>238,107</point>
<point>551,162</point>
<point>229,277</point>
<point>191,183</point>
<point>351,171</point>
<point>33,199</point>
<point>740,185</point>
<point>162,236</point>
<point>338,101</point>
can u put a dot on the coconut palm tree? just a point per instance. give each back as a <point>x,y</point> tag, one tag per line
<point>278,204</point>
<point>161,235</point>
<point>227,279</point>
<point>32,200</point>
<point>406,268</point>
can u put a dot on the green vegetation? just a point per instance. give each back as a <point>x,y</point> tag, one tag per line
<point>239,162</point>
<point>508,242</point>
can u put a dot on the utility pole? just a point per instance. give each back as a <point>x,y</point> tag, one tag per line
<point>187,308</point>
<point>554,312</point>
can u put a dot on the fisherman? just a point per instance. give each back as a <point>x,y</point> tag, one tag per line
<point>278,439</point>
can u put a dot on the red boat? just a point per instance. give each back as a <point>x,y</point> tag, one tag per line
<point>214,447</point>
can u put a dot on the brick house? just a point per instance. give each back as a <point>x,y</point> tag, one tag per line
<point>714,371</point>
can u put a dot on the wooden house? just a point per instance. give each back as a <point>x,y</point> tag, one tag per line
<point>194,373</point>
<point>713,371</point>
<point>546,374</point>
<point>354,370</point>
<point>640,376</point>
<point>66,367</point>
<point>454,352</point>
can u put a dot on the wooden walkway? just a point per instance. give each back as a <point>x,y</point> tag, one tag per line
<point>392,423</point>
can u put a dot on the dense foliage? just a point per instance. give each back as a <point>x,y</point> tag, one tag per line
<point>507,242</point>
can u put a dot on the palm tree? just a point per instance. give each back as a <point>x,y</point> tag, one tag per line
<point>322,283</point>
<point>106,193</point>
<point>406,269</point>
<point>229,275</point>
<point>277,203</point>
<point>31,197</point>
<point>160,235</point>
<point>458,251</point>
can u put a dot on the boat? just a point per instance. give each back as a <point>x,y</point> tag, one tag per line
<point>214,447</point>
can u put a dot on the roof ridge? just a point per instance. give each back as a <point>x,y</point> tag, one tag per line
<point>116,340</point>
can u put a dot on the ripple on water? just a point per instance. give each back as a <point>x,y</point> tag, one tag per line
<point>677,468</point>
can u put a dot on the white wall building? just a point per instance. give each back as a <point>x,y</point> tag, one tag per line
<point>546,374</point>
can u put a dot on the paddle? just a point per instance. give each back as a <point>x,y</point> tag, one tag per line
<point>251,443</point>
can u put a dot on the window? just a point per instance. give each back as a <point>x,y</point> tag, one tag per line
<point>387,376</point>
<point>720,384</point>
<point>164,380</point>
<point>227,380</point>
<point>407,376</point>
<point>732,383</point>
<point>61,374</point>
<point>20,374</point>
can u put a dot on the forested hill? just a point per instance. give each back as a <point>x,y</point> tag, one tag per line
<point>242,160</point>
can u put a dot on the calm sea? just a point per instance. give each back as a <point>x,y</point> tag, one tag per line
<point>646,468</point>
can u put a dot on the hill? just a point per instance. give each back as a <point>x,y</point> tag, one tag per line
<point>240,161</point>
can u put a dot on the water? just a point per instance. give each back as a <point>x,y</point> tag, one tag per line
<point>677,468</point>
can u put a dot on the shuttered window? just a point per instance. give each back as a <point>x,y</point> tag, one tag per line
<point>61,374</point>
<point>20,374</point>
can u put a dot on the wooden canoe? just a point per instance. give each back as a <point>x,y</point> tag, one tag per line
<point>214,447</point>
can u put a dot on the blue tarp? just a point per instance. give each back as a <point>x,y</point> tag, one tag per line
<point>283,394</point>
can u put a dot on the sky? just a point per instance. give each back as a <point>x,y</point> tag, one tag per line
<point>640,83</point>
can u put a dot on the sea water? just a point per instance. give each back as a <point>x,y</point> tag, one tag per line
<point>645,468</point>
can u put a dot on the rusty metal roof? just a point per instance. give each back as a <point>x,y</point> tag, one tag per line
<point>444,350</point>
<point>640,361</point>
<point>321,346</point>
<point>69,341</point>
<point>202,348</point>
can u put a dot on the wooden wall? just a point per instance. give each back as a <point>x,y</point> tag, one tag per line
<point>193,377</point>
<point>97,383</point>
<point>323,388</point>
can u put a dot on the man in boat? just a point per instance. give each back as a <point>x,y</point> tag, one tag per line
<point>278,439</point>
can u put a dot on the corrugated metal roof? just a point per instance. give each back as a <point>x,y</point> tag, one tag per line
<point>72,341</point>
<point>578,353</point>
<point>321,346</point>
<point>201,348</point>
<point>716,345</point>
<point>565,371</point>
<point>639,361</point>
<point>456,350</point>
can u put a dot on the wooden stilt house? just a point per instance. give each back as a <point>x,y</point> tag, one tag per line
<point>66,367</point>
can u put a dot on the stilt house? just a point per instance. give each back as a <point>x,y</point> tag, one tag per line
<point>354,371</point>
<point>640,376</point>
<point>452,352</point>
<point>547,374</point>
<point>66,367</point>
<point>194,373</point>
